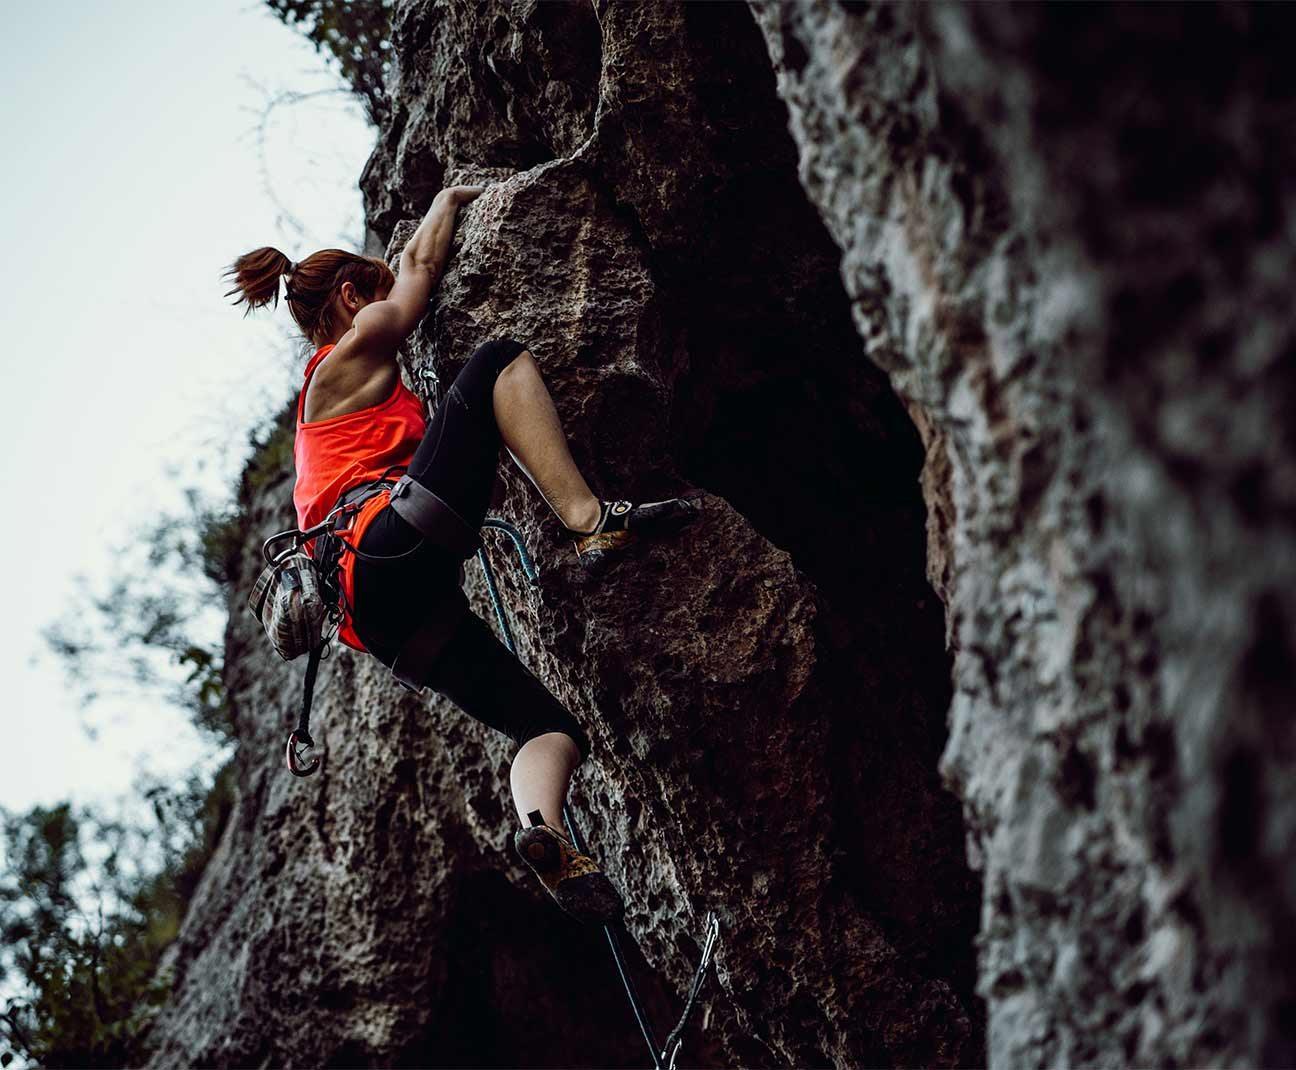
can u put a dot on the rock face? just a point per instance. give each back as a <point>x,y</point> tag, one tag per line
<point>944,316</point>
<point>1067,235</point>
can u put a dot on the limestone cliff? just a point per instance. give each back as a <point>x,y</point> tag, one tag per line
<point>970,323</point>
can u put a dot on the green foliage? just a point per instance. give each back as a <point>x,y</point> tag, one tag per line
<point>223,533</point>
<point>220,537</point>
<point>357,33</point>
<point>208,709</point>
<point>272,455</point>
<point>87,906</point>
<point>154,628</point>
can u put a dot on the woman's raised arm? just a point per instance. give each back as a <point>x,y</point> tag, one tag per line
<point>389,322</point>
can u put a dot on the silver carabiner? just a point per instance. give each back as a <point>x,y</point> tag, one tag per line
<point>270,558</point>
<point>431,386</point>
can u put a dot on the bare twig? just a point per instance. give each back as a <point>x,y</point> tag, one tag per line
<point>18,1034</point>
<point>100,1004</point>
<point>284,98</point>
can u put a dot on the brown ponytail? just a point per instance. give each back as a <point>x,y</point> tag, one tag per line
<point>312,284</point>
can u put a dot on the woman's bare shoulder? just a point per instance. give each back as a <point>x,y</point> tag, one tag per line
<point>352,376</point>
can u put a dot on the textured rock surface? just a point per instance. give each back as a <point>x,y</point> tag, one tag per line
<point>982,303</point>
<point>766,693</point>
<point>1068,235</point>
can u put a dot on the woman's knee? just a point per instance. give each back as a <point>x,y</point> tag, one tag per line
<point>498,353</point>
<point>569,728</point>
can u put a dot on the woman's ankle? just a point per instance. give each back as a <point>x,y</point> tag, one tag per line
<point>582,517</point>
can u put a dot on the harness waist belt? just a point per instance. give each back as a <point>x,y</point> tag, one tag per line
<point>328,546</point>
<point>433,518</point>
<point>361,494</point>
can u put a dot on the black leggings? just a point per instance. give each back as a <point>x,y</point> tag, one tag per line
<point>456,460</point>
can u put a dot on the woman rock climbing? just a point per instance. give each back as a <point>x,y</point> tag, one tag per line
<point>358,427</point>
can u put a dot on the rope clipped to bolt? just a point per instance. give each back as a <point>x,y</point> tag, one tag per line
<point>664,1057</point>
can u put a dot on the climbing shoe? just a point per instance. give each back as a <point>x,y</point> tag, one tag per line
<point>620,523</point>
<point>573,879</point>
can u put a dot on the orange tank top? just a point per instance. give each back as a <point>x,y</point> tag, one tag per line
<point>334,455</point>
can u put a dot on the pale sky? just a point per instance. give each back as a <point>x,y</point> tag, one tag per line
<point>131,179</point>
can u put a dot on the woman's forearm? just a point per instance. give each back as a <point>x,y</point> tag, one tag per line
<point>429,247</point>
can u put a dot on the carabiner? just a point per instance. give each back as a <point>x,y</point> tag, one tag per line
<point>296,750</point>
<point>292,533</point>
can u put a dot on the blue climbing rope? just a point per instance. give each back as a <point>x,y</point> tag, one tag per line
<point>660,1056</point>
<point>528,566</point>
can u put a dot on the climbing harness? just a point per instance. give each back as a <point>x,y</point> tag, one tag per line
<point>299,600</point>
<point>663,1057</point>
<point>432,517</point>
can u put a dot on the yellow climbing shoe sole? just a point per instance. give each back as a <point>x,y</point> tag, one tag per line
<point>573,879</point>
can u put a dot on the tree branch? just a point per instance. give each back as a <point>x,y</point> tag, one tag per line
<point>18,1036</point>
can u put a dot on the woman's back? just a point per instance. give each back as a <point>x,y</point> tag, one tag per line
<point>336,453</point>
<point>341,386</point>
